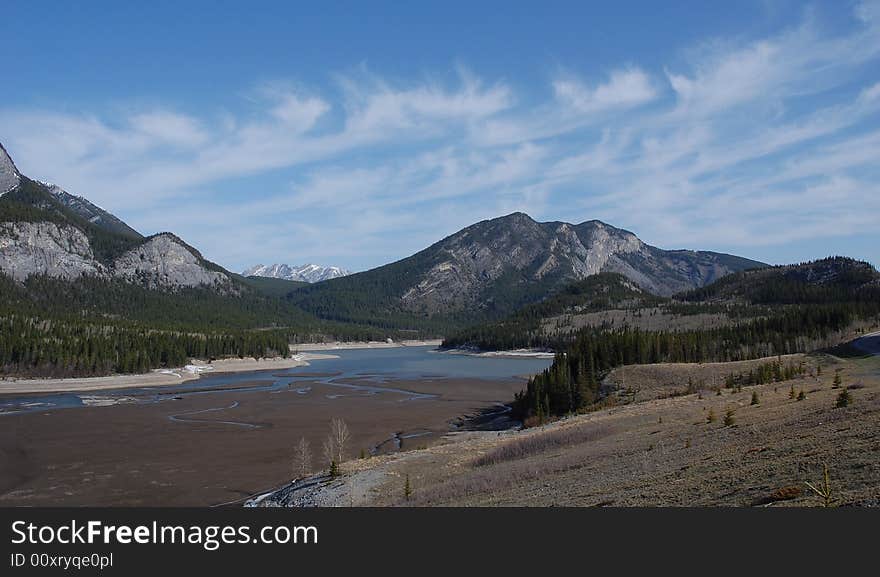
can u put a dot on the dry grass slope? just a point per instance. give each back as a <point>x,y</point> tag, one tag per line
<point>663,452</point>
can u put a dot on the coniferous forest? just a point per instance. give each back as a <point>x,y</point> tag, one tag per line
<point>803,316</point>
<point>94,327</point>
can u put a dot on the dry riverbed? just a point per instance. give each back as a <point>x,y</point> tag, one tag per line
<point>221,446</point>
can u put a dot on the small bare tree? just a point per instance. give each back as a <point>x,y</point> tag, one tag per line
<point>329,455</point>
<point>302,461</point>
<point>339,437</point>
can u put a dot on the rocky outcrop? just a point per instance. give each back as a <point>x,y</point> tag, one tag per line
<point>165,261</point>
<point>47,231</point>
<point>9,175</point>
<point>64,252</point>
<point>32,248</point>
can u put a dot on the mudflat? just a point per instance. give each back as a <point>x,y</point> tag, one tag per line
<point>219,446</point>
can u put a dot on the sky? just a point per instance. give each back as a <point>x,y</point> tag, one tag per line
<point>355,134</point>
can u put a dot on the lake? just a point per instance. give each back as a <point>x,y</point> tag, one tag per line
<point>225,437</point>
<point>378,366</point>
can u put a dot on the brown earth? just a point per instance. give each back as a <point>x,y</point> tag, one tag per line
<point>217,447</point>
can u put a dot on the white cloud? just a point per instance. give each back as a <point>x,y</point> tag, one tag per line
<point>758,142</point>
<point>169,128</point>
<point>624,89</point>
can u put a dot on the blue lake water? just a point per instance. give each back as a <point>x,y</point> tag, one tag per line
<point>375,370</point>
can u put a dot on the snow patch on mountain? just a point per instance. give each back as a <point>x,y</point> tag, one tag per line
<point>305,273</point>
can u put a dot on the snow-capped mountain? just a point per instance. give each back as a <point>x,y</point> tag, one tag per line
<point>304,273</point>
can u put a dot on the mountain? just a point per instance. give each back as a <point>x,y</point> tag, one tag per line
<point>841,289</point>
<point>9,176</point>
<point>92,213</point>
<point>495,266</point>
<point>45,230</point>
<point>310,273</point>
<point>830,280</point>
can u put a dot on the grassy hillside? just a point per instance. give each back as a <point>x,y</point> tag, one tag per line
<point>802,308</point>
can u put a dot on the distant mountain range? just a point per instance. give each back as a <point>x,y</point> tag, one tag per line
<point>490,267</point>
<point>310,273</point>
<point>486,270</point>
<point>502,281</point>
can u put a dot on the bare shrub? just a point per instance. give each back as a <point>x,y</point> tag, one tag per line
<point>339,437</point>
<point>539,443</point>
<point>302,461</point>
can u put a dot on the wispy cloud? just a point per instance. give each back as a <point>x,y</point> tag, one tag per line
<point>741,144</point>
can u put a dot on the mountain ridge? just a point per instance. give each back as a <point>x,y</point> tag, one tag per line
<point>310,273</point>
<point>494,266</point>
<point>44,230</point>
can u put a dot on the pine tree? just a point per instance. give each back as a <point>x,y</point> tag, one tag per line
<point>843,399</point>
<point>729,419</point>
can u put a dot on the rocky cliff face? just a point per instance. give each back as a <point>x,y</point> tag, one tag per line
<point>513,252</point>
<point>30,248</point>
<point>64,252</point>
<point>9,176</point>
<point>164,261</point>
<point>44,230</point>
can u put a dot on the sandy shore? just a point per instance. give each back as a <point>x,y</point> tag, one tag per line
<point>509,354</point>
<point>156,378</point>
<point>363,345</point>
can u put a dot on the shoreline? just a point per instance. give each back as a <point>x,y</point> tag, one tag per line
<point>351,345</point>
<point>508,354</point>
<point>156,377</point>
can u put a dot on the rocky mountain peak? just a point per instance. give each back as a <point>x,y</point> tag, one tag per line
<point>516,254</point>
<point>310,273</point>
<point>9,175</point>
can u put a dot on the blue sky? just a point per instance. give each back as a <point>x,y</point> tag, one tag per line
<point>355,134</point>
